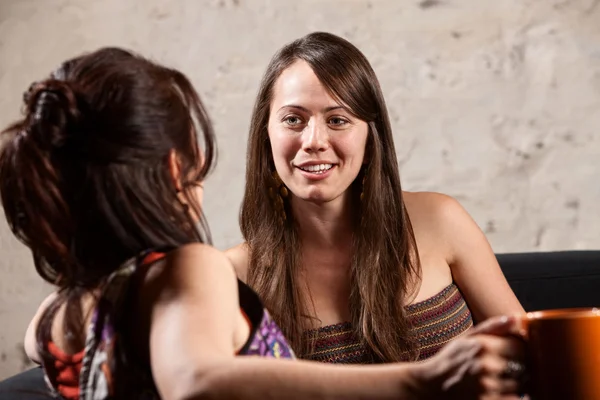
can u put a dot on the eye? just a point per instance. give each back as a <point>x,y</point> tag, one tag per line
<point>337,121</point>
<point>292,120</point>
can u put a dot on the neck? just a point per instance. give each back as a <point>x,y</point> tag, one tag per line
<point>324,225</point>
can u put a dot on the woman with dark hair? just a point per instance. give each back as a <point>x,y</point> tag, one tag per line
<point>353,269</point>
<point>102,180</point>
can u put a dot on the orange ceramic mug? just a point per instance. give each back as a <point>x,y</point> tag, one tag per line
<point>563,349</point>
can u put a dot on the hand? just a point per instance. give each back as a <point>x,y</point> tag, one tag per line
<point>487,363</point>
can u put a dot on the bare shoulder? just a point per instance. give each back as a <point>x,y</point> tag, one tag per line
<point>200,259</point>
<point>197,250</point>
<point>189,266</point>
<point>444,221</point>
<point>439,221</point>
<point>238,256</point>
<point>192,277</point>
<point>432,207</point>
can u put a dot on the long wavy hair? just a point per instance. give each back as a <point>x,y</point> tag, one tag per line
<point>84,175</point>
<point>385,263</point>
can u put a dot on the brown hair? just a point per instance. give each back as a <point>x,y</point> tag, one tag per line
<point>84,176</point>
<point>385,262</point>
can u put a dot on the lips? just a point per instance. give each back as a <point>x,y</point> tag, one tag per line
<point>316,168</point>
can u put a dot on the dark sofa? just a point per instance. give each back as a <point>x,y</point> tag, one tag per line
<point>564,279</point>
<point>547,280</point>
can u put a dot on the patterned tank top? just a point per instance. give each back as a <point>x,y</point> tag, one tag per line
<point>435,322</point>
<point>91,374</point>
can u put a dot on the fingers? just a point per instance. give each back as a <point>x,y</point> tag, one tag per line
<point>509,348</point>
<point>504,387</point>
<point>493,377</point>
<point>500,397</point>
<point>500,326</point>
<point>499,367</point>
<point>485,364</point>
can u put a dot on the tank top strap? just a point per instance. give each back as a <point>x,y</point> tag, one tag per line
<point>104,352</point>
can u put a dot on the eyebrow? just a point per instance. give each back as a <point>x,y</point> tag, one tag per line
<point>326,109</point>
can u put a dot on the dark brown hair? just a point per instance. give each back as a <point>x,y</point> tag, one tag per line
<point>84,176</point>
<point>385,263</point>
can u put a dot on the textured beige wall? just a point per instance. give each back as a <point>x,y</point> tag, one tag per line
<point>494,102</point>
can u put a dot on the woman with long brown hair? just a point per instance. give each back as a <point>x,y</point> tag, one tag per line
<point>102,180</point>
<point>352,268</point>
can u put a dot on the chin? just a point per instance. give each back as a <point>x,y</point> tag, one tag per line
<point>317,200</point>
<point>318,197</point>
<point>317,194</point>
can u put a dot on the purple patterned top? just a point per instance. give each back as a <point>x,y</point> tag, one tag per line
<point>266,339</point>
<point>105,356</point>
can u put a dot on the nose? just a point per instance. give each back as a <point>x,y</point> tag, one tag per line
<point>315,137</point>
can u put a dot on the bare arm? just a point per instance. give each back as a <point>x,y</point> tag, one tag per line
<point>473,264</point>
<point>194,314</point>
<point>193,322</point>
<point>238,256</point>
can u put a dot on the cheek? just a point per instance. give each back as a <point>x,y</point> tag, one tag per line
<point>283,147</point>
<point>354,149</point>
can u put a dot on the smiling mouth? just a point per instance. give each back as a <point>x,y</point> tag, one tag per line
<point>317,169</point>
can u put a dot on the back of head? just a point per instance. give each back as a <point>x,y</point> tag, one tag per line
<point>84,176</point>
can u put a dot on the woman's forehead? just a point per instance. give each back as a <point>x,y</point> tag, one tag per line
<point>298,86</point>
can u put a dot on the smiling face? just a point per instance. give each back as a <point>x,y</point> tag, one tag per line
<point>318,145</point>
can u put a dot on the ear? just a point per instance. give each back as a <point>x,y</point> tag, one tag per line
<point>174,170</point>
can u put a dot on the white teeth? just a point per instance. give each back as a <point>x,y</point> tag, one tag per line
<point>318,168</point>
